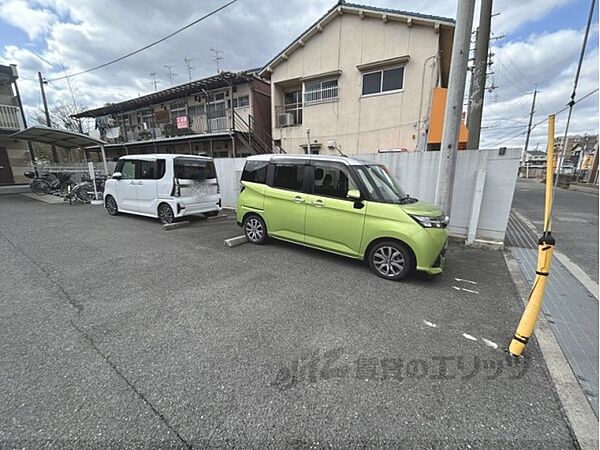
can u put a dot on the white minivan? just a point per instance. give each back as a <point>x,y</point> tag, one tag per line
<point>166,186</point>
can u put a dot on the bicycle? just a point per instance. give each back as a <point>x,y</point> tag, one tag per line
<point>84,191</point>
<point>50,183</point>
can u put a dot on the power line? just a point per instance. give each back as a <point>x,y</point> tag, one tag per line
<point>513,135</point>
<point>146,47</point>
<point>570,107</point>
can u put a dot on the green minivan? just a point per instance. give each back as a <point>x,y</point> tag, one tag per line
<point>344,206</point>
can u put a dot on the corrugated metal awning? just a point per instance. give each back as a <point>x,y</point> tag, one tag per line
<point>59,138</point>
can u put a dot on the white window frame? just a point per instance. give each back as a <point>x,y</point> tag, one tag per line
<point>236,100</point>
<point>321,100</point>
<point>381,91</point>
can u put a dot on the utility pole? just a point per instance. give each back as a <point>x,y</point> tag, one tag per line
<point>170,73</point>
<point>454,101</point>
<point>48,122</point>
<point>308,150</point>
<point>217,58</point>
<point>479,74</point>
<point>154,82</point>
<point>189,67</point>
<point>524,156</point>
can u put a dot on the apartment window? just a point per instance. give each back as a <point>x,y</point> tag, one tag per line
<point>293,105</point>
<point>381,81</point>
<point>320,91</point>
<point>177,110</point>
<point>240,102</point>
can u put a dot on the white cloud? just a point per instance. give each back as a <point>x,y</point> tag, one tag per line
<point>33,21</point>
<point>86,33</point>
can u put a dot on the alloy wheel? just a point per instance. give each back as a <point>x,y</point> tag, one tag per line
<point>388,261</point>
<point>111,206</point>
<point>165,214</point>
<point>254,229</point>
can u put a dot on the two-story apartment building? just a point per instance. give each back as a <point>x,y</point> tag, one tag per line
<point>224,115</point>
<point>14,154</point>
<point>361,80</point>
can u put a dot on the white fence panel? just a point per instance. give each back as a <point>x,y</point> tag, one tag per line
<point>229,172</point>
<point>417,174</point>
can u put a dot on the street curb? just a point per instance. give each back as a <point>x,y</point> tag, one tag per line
<point>576,408</point>
<point>575,270</point>
<point>587,190</point>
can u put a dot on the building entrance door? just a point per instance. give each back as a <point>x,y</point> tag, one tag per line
<point>6,176</point>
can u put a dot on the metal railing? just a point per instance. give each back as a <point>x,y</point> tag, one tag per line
<point>218,124</point>
<point>10,117</point>
<point>328,94</point>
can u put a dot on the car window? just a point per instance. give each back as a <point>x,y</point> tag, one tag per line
<point>160,168</point>
<point>331,180</point>
<point>289,176</point>
<point>146,170</point>
<point>128,170</point>
<point>255,171</point>
<point>194,169</point>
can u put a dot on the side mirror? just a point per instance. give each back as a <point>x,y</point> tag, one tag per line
<point>117,175</point>
<point>354,194</point>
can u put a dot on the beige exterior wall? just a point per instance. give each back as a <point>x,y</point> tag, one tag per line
<point>360,124</point>
<point>18,157</point>
<point>16,150</point>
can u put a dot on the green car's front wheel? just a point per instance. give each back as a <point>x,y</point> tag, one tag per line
<point>255,229</point>
<point>390,260</point>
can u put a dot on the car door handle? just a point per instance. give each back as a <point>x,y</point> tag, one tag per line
<point>318,203</point>
<point>298,200</point>
<point>132,183</point>
<point>140,182</point>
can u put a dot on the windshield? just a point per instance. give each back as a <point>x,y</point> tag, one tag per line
<point>194,169</point>
<point>381,185</point>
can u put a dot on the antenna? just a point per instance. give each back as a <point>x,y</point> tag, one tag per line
<point>170,73</point>
<point>154,81</point>
<point>217,58</point>
<point>188,66</point>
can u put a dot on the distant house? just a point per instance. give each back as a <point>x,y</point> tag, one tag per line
<point>536,157</point>
<point>362,79</point>
<point>14,154</point>
<point>224,115</point>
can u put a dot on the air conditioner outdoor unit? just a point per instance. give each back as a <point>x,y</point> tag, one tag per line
<point>285,119</point>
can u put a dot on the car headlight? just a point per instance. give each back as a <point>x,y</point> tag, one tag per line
<point>432,222</point>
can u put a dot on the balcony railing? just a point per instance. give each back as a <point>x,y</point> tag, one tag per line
<point>10,118</point>
<point>328,94</point>
<point>216,124</point>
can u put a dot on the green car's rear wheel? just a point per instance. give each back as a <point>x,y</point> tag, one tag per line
<point>255,229</point>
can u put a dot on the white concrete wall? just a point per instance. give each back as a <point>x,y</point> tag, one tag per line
<point>229,172</point>
<point>417,173</point>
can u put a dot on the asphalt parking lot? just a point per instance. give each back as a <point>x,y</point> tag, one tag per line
<point>114,332</point>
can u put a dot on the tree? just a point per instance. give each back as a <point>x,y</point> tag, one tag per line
<point>60,116</point>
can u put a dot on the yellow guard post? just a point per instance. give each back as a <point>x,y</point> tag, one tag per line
<point>545,249</point>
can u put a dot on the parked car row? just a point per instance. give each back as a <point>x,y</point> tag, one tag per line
<point>336,204</point>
